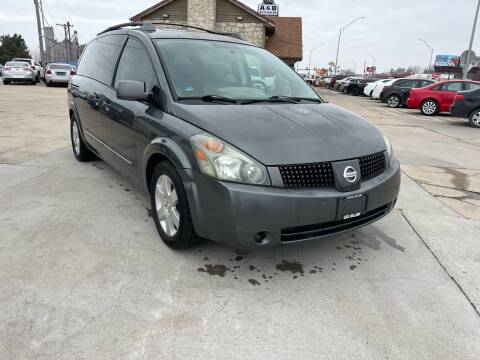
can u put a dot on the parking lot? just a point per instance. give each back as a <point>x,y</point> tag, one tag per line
<point>84,274</point>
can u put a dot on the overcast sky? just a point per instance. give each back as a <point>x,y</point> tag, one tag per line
<point>389,33</point>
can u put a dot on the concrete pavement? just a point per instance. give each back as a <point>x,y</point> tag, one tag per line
<point>84,274</point>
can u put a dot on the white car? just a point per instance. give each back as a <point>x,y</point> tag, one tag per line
<point>34,65</point>
<point>368,90</point>
<point>18,71</point>
<point>57,73</point>
<point>379,88</point>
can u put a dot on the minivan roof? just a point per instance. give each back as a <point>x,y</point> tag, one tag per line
<point>187,32</point>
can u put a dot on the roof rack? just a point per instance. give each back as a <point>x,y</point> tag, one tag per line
<point>143,25</point>
<point>149,27</point>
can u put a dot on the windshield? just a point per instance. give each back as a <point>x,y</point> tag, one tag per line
<point>199,68</point>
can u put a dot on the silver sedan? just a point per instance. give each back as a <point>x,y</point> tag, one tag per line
<point>17,71</point>
<point>57,73</point>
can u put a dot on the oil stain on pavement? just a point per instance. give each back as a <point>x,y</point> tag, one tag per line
<point>241,268</point>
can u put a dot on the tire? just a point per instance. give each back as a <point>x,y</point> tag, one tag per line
<point>38,78</point>
<point>393,101</point>
<point>474,119</point>
<point>371,95</point>
<point>172,219</point>
<point>48,84</point>
<point>429,107</point>
<point>345,90</point>
<point>80,150</point>
<point>6,82</point>
<point>355,92</point>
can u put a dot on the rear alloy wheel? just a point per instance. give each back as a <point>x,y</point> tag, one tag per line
<point>393,101</point>
<point>429,108</point>
<point>80,150</point>
<point>475,118</point>
<point>170,208</point>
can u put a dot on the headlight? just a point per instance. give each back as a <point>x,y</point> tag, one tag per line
<point>391,156</point>
<point>223,162</point>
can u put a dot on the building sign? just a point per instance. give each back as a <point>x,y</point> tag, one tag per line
<point>268,8</point>
<point>447,61</point>
<point>371,69</point>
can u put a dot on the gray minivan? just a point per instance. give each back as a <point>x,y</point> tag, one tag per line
<point>229,142</point>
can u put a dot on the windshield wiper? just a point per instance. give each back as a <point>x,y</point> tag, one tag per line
<point>214,98</point>
<point>282,99</point>
<point>209,98</point>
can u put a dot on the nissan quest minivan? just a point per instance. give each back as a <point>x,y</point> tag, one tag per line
<point>229,142</point>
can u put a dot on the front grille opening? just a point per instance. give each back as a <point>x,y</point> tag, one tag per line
<point>320,175</point>
<point>372,165</point>
<point>329,228</point>
<point>307,175</point>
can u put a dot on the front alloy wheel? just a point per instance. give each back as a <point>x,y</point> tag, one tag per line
<point>429,107</point>
<point>166,205</point>
<point>475,119</point>
<point>170,208</point>
<point>393,101</point>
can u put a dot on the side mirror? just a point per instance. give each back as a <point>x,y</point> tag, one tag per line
<point>131,90</point>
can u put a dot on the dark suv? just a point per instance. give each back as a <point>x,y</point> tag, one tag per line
<point>397,94</point>
<point>229,142</point>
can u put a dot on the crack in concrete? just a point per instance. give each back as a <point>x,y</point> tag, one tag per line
<point>441,264</point>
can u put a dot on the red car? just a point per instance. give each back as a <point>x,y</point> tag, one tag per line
<point>438,97</point>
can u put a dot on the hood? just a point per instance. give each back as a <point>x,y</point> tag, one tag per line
<point>277,134</point>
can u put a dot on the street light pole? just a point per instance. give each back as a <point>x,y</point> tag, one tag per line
<point>311,52</point>
<point>341,31</point>
<point>469,54</point>
<point>431,52</point>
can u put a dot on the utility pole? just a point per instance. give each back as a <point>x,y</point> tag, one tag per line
<point>39,28</point>
<point>469,54</point>
<point>68,38</point>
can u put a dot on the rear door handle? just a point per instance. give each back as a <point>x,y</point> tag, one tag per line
<point>106,105</point>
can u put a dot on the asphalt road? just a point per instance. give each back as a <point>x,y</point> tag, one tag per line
<point>83,274</point>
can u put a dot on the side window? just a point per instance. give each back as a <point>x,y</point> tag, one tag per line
<point>135,64</point>
<point>100,57</point>
<point>472,86</point>
<point>453,86</point>
<point>426,83</point>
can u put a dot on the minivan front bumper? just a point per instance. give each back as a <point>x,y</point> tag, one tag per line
<point>248,216</point>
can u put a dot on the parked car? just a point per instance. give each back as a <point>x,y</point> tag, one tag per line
<point>218,156</point>
<point>368,90</point>
<point>58,73</point>
<point>355,88</point>
<point>467,105</point>
<point>324,81</point>
<point>397,94</point>
<point>340,82</point>
<point>18,71</point>
<point>342,87</point>
<point>377,92</point>
<point>1,68</point>
<point>34,65</point>
<point>439,97</point>
<point>334,79</point>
